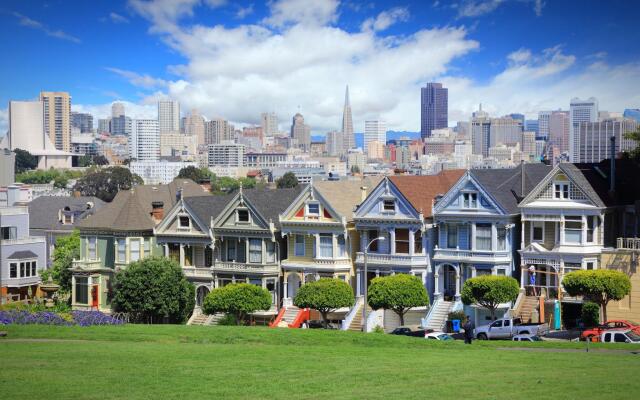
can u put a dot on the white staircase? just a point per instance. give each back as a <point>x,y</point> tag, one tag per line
<point>289,316</point>
<point>438,315</point>
<point>199,318</point>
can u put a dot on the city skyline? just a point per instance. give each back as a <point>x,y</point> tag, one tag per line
<point>176,49</point>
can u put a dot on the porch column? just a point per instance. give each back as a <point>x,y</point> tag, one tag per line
<point>181,254</point>
<point>285,285</point>
<point>412,247</point>
<point>392,241</point>
<point>473,236</point>
<point>522,224</point>
<point>358,279</point>
<point>457,296</point>
<point>378,273</point>
<point>600,230</point>
<point>166,250</point>
<point>424,278</point>
<point>436,276</point>
<point>583,240</point>
<point>522,275</point>
<point>246,250</point>
<point>494,237</point>
<point>561,229</point>
<point>364,239</point>
<point>317,244</point>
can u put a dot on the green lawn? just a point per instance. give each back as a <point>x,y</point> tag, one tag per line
<point>189,362</point>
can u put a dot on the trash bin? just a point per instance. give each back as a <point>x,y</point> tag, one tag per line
<point>455,324</point>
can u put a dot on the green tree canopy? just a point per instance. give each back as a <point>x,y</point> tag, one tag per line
<point>324,295</point>
<point>67,249</point>
<point>237,299</point>
<point>152,290</point>
<point>489,291</point>
<point>88,160</point>
<point>635,136</point>
<point>355,169</point>
<point>288,180</point>
<point>104,183</point>
<point>59,177</point>
<point>24,161</point>
<point>195,174</point>
<point>599,286</point>
<point>398,293</point>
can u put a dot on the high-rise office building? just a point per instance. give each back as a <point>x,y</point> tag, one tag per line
<point>144,141</point>
<point>434,108</point>
<point>374,130</point>
<point>269,123</point>
<point>348,138</point>
<point>168,116</point>
<point>531,125</point>
<point>518,117</point>
<point>121,125</point>
<point>218,130</point>
<point>529,152</point>
<point>226,154</point>
<point>82,121</point>
<point>559,131</point>
<point>301,132</point>
<point>594,139</point>
<point>194,125</point>
<point>103,125</point>
<point>334,143</point>
<point>505,130</point>
<point>117,109</point>
<point>543,124</point>
<point>57,118</point>
<point>580,111</point>
<point>633,113</point>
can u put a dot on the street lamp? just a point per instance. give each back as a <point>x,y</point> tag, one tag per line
<point>366,302</point>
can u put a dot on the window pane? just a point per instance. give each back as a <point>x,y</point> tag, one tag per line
<point>92,248</point>
<point>13,270</point>
<point>82,288</point>
<point>483,236</point>
<point>341,246</point>
<point>502,238</point>
<point>147,247</point>
<point>313,209</point>
<point>243,215</point>
<point>402,241</point>
<point>372,234</point>
<point>134,251</point>
<point>452,236</point>
<point>299,245</point>
<point>242,251</point>
<point>122,250</point>
<point>34,268</point>
<point>326,245</point>
<point>255,250</point>
<point>271,251</point>
<point>417,241</point>
<point>231,249</point>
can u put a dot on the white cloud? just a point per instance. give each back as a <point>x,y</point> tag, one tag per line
<point>56,33</point>
<point>117,18</point>
<point>142,80</point>
<point>308,13</point>
<point>477,8</point>
<point>244,11</point>
<point>386,18</point>
<point>133,110</point>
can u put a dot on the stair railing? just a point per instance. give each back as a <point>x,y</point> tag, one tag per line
<point>515,310</point>
<point>425,321</point>
<point>348,319</point>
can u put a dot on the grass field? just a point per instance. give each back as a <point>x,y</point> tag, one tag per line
<point>190,362</point>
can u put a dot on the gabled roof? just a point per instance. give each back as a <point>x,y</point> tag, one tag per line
<point>505,185</point>
<point>207,207</point>
<point>44,211</point>
<point>131,209</point>
<point>22,254</point>
<point>420,191</point>
<point>594,180</point>
<point>344,196</point>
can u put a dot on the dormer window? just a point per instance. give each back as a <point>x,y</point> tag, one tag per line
<point>389,205</point>
<point>561,191</point>
<point>184,222</point>
<point>470,200</point>
<point>242,215</point>
<point>313,209</point>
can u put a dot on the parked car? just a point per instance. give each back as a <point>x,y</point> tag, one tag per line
<point>594,334</point>
<point>526,338</point>
<point>438,336</point>
<point>620,336</point>
<point>507,328</point>
<point>409,331</point>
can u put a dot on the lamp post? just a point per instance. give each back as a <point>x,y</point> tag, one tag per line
<point>364,309</point>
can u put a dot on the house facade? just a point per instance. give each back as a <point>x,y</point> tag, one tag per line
<point>22,257</point>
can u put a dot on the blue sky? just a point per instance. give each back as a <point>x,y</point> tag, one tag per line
<point>237,59</point>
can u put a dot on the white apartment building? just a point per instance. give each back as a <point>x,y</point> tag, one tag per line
<point>226,154</point>
<point>177,144</point>
<point>594,139</point>
<point>57,118</point>
<point>168,116</point>
<point>334,144</point>
<point>580,111</point>
<point>158,172</point>
<point>144,141</point>
<point>374,130</point>
<point>543,123</point>
<point>217,131</point>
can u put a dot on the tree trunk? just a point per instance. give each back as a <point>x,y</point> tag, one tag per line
<point>493,313</point>
<point>324,319</point>
<point>401,315</point>
<point>603,306</point>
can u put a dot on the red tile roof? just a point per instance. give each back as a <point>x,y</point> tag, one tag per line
<point>421,190</point>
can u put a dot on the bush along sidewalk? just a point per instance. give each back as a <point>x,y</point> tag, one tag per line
<point>80,318</point>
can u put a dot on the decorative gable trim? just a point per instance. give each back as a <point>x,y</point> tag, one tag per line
<point>179,208</point>
<point>385,190</point>
<point>298,207</point>
<point>459,187</point>
<point>545,189</point>
<point>229,211</point>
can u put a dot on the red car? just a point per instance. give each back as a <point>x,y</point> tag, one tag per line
<point>594,334</point>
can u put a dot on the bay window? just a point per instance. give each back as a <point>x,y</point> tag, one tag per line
<point>483,236</point>
<point>299,246</point>
<point>122,250</point>
<point>255,250</point>
<point>573,229</point>
<point>342,246</point>
<point>326,245</point>
<point>417,242</point>
<point>502,238</point>
<point>91,247</point>
<point>452,236</point>
<point>82,290</point>
<point>402,241</point>
<point>134,250</point>
<point>271,251</point>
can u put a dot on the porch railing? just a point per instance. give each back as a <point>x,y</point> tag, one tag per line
<point>346,322</point>
<point>628,243</point>
<point>468,254</point>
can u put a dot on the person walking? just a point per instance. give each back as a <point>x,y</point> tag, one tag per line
<point>532,280</point>
<point>468,327</point>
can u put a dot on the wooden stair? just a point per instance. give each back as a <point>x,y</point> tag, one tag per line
<point>356,323</point>
<point>529,303</point>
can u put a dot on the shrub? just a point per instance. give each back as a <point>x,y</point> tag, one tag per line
<point>227,320</point>
<point>398,293</point>
<point>237,299</point>
<point>590,314</point>
<point>153,290</point>
<point>460,315</point>
<point>324,295</point>
<point>489,291</point>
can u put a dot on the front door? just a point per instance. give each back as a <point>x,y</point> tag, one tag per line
<point>94,296</point>
<point>449,282</point>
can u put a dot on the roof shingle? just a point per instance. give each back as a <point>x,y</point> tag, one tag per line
<point>422,190</point>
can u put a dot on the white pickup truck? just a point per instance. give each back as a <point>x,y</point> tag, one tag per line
<point>506,328</point>
<point>619,336</point>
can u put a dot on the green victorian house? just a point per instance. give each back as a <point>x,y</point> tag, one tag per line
<point>120,233</point>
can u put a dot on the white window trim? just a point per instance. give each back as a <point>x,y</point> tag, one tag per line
<point>309,214</point>
<point>295,245</point>
<point>590,260</point>
<point>126,254</point>
<point>248,221</point>
<point>184,228</point>
<point>395,206</point>
<point>533,224</point>
<point>477,201</point>
<point>562,183</point>
<point>95,249</point>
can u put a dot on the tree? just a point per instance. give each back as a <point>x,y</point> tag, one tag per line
<point>195,174</point>
<point>152,290</point>
<point>398,293</point>
<point>288,180</point>
<point>105,183</point>
<point>67,249</point>
<point>88,160</point>
<point>635,136</point>
<point>489,291</point>
<point>100,160</point>
<point>599,286</point>
<point>24,161</point>
<point>237,299</point>
<point>324,295</point>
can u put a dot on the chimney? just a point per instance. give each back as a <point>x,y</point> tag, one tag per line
<point>157,210</point>
<point>363,193</point>
<point>612,173</point>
